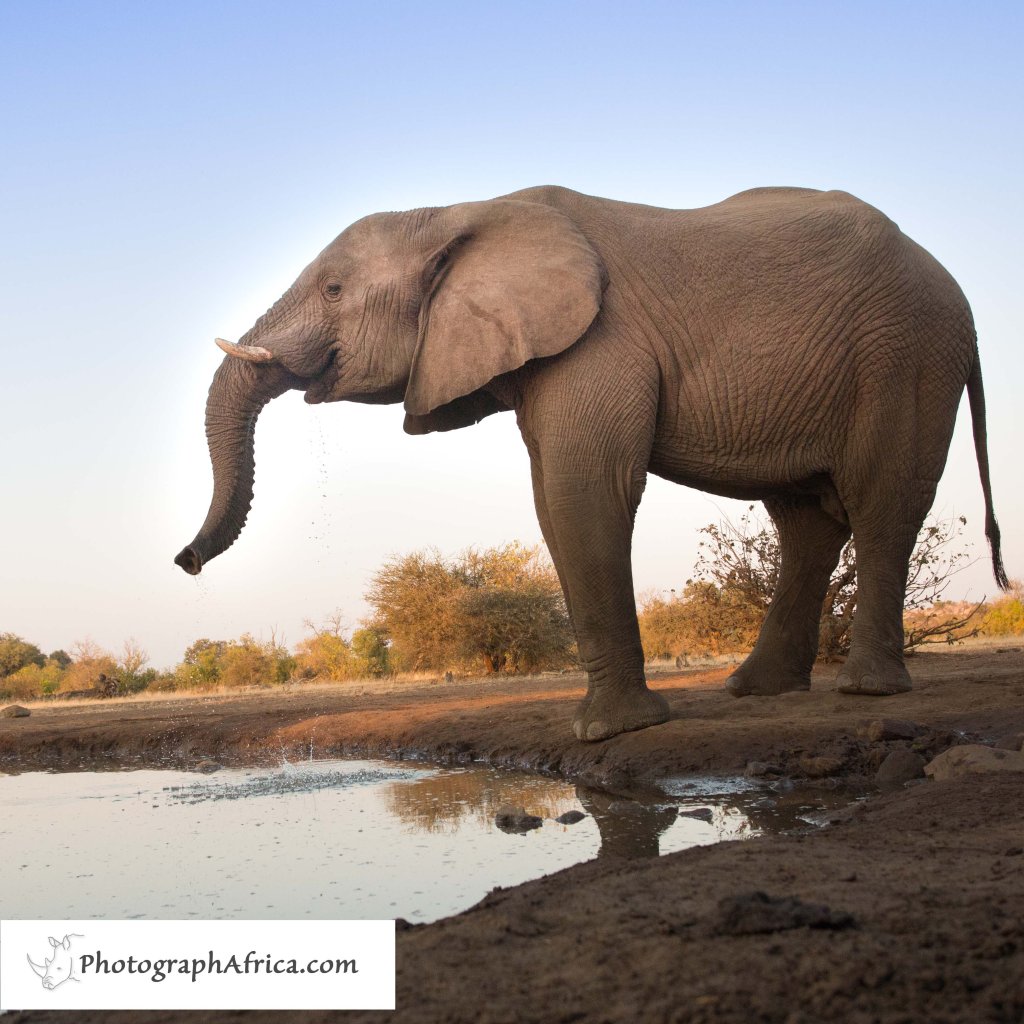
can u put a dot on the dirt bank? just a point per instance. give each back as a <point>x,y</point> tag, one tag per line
<point>525,724</point>
<point>924,886</point>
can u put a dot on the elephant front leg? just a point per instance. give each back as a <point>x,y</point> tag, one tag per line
<point>587,523</point>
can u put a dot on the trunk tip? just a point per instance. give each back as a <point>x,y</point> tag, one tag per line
<point>190,560</point>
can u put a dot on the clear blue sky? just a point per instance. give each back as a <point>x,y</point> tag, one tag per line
<point>169,168</point>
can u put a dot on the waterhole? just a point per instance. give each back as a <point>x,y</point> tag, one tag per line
<point>331,839</point>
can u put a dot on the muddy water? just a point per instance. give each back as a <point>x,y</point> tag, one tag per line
<point>325,839</point>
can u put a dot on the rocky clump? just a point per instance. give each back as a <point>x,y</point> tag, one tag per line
<point>880,730</point>
<point>516,821</point>
<point>900,766</point>
<point>570,817</point>
<point>971,759</point>
<point>15,711</point>
<point>208,766</point>
<point>757,913</point>
<point>704,814</point>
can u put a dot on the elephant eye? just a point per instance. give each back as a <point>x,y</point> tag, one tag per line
<point>332,290</point>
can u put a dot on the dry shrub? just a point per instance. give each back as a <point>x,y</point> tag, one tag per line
<point>721,609</point>
<point>1005,617</point>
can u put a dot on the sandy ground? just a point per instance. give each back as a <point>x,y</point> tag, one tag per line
<point>908,907</point>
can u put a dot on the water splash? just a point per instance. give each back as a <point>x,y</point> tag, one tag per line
<point>289,778</point>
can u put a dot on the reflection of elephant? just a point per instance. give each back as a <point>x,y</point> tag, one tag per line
<point>785,345</point>
<point>627,828</point>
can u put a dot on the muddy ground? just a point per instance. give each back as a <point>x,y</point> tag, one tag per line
<point>907,907</point>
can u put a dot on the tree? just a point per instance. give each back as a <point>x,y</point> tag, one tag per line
<point>414,602</point>
<point>200,666</point>
<point>370,650</point>
<point>132,673</point>
<point>512,612</point>
<point>60,658</point>
<point>16,653</point>
<point>501,607</point>
<point>513,629</point>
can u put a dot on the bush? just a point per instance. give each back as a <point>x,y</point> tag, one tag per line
<point>1005,617</point>
<point>705,620</point>
<point>502,608</point>
<point>326,654</point>
<point>91,662</point>
<point>249,662</point>
<point>231,664</point>
<point>26,683</point>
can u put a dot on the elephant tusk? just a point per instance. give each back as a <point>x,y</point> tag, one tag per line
<point>250,353</point>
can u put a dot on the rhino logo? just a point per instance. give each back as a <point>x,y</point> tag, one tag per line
<point>59,967</point>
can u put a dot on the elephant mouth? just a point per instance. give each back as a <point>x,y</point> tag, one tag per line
<point>190,560</point>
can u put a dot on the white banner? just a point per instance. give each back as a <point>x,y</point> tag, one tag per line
<point>197,965</point>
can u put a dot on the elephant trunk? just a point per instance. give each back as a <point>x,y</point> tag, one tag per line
<point>238,393</point>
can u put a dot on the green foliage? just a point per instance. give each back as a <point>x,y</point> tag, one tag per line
<point>502,608</point>
<point>16,653</point>
<point>233,664</point>
<point>326,654</point>
<point>23,684</point>
<point>132,673</point>
<point>201,666</point>
<point>51,675</point>
<point>370,650</point>
<point>60,658</point>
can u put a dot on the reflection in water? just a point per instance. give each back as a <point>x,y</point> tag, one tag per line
<point>447,801</point>
<point>330,839</point>
<point>443,802</point>
<point>628,828</point>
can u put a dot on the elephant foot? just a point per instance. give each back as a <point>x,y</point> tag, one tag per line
<point>763,681</point>
<point>873,678</point>
<point>607,712</point>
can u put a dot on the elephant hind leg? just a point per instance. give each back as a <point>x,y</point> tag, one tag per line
<point>810,541</point>
<point>885,533</point>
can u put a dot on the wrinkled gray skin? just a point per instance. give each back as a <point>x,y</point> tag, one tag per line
<point>786,345</point>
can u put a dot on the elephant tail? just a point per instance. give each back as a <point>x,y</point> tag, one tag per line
<point>976,396</point>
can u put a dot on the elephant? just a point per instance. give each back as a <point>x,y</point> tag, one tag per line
<point>786,345</point>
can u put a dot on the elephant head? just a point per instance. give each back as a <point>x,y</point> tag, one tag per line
<point>426,307</point>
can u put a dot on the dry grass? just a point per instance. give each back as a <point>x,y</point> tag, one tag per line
<point>391,684</point>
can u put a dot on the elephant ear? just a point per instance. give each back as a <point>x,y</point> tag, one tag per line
<point>515,281</point>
